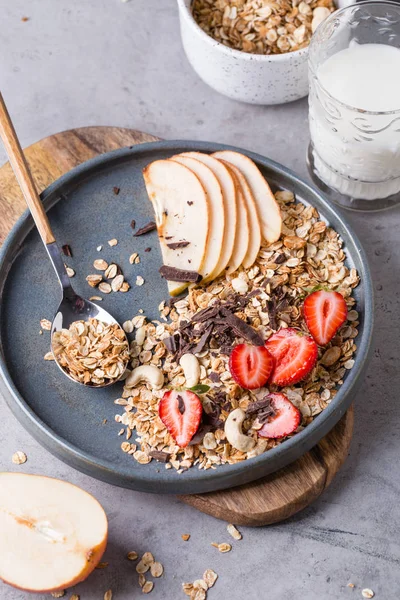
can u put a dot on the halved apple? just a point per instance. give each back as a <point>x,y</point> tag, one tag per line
<point>254,241</point>
<point>230,208</point>
<point>52,533</point>
<point>242,236</point>
<point>182,215</point>
<point>217,216</point>
<point>268,210</point>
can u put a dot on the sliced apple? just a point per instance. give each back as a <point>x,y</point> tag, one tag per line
<point>182,215</point>
<point>268,210</point>
<point>254,241</point>
<point>242,236</point>
<point>53,534</point>
<point>230,208</point>
<point>217,216</point>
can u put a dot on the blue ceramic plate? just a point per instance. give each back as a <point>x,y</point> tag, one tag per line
<point>68,419</point>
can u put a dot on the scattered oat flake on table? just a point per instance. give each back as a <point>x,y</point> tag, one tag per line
<point>142,567</point>
<point>132,555</point>
<point>125,287</point>
<point>185,536</point>
<point>139,280</point>
<point>49,356</point>
<point>148,586</point>
<point>45,324</point>
<point>99,248</point>
<point>156,569</point>
<point>198,594</point>
<point>351,585</point>
<point>235,533</point>
<point>367,593</point>
<point>108,595</point>
<point>210,577</point>
<point>112,242</point>
<point>148,558</point>
<point>102,565</point>
<point>187,588</point>
<point>222,547</point>
<point>25,19</point>
<point>75,597</point>
<point>58,594</point>
<point>70,271</point>
<point>95,298</point>
<point>94,279</point>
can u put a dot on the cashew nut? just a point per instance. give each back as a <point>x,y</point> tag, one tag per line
<point>146,374</point>
<point>191,369</point>
<point>234,434</point>
<point>140,335</point>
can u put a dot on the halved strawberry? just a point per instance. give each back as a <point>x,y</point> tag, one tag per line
<point>295,355</point>
<point>181,414</point>
<point>250,366</point>
<point>324,312</point>
<point>285,420</point>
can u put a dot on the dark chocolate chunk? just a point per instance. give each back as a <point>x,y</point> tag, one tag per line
<point>271,307</point>
<point>170,344</point>
<point>199,435</point>
<point>146,229</point>
<point>281,258</point>
<point>160,456</point>
<point>173,274</point>
<point>147,249</point>
<point>116,190</point>
<point>176,245</point>
<point>243,329</point>
<point>214,377</point>
<point>66,250</point>
<point>262,409</point>
<point>181,404</point>
<point>206,313</point>
<point>190,202</point>
<point>199,347</point>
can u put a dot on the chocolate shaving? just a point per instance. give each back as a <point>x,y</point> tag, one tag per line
<point>173,274</point>
<point>133,223</point>
<point>214,377</point>
<point>146,229</point>
<point>253,294</point>
<point>206,313</point>
<point>160,456</point>
<point>116,190</point>
<point>199,435</point>
<point>66,250</point>
<point>190,202</point>
<point>181,404</point>
<point>281,258</point>
<point>199,347</point>
<point>176,245</point>
<point>243,329</point>
<point>170,344</point>
<point>263,409</point>
<point>271,307</point>
<point>147,249</point>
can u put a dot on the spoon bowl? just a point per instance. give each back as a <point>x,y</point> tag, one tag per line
<point>72,307</point>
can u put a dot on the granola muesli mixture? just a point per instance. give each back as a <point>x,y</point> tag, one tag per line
<point>212,319</point>
<point>262,26</point>
<point>92,352</point>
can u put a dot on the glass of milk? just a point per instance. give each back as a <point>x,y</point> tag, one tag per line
<point>354,72</point>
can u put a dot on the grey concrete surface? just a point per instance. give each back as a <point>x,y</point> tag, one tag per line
<point>104,62</point>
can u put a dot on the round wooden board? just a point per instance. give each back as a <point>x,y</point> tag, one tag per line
<point>262,502</point>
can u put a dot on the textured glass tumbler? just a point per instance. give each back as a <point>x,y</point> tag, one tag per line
<point>354,154</point>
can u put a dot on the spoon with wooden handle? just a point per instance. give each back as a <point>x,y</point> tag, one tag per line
<point>72,307</point>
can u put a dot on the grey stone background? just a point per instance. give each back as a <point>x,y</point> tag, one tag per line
<point>104,62</point>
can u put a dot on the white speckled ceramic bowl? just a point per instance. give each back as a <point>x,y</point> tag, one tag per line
<point>252,78</point>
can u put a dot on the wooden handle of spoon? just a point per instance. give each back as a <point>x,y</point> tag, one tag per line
<point>23,174</point>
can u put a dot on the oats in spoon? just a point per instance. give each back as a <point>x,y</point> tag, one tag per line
<point>92,352</point>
